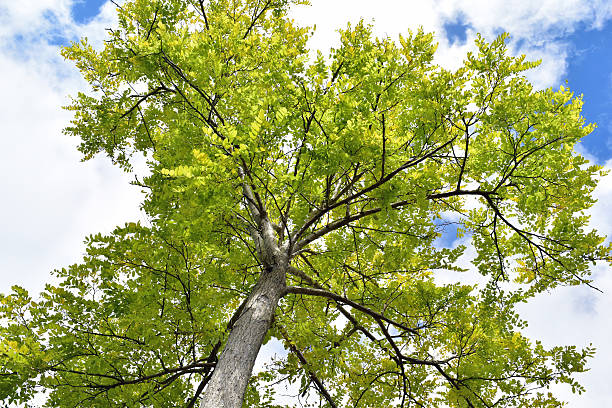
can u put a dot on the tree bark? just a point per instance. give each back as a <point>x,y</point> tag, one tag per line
<point>228,383</point>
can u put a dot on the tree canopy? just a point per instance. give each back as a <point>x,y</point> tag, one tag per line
<point>300,196</point>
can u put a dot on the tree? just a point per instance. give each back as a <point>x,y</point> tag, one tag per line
<point>300,198</point>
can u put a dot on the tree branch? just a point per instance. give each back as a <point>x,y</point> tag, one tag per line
<point>297,290</point>
<point>335,204</point>
<point>319,384</point>
<point>204,14</point>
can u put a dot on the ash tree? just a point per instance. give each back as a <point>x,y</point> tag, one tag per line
<point>297,196</point>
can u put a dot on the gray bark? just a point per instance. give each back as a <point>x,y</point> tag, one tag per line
<point>228,383</point>
<point>230,378</point>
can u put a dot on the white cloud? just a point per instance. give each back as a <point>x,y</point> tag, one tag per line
<point>568,315</point>
<point>27,17</point>
<point>51,200</point>
<point>581,315</point>
<point>537,28</point>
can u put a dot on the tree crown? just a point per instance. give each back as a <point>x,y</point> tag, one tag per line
<point>358,161</point>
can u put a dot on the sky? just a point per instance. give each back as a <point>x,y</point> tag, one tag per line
<point>51,200</point>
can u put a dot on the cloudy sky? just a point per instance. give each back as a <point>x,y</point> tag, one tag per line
<point>51,200</point>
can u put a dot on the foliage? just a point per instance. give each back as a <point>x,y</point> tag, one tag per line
<point>360,159</point>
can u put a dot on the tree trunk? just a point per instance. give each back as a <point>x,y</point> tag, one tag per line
<point>229,380</point>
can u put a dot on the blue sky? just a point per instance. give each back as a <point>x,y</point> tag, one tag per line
<point>85,10</point>
<point>589,73</point>
<point>456,29</point>
<point>52,200</point>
